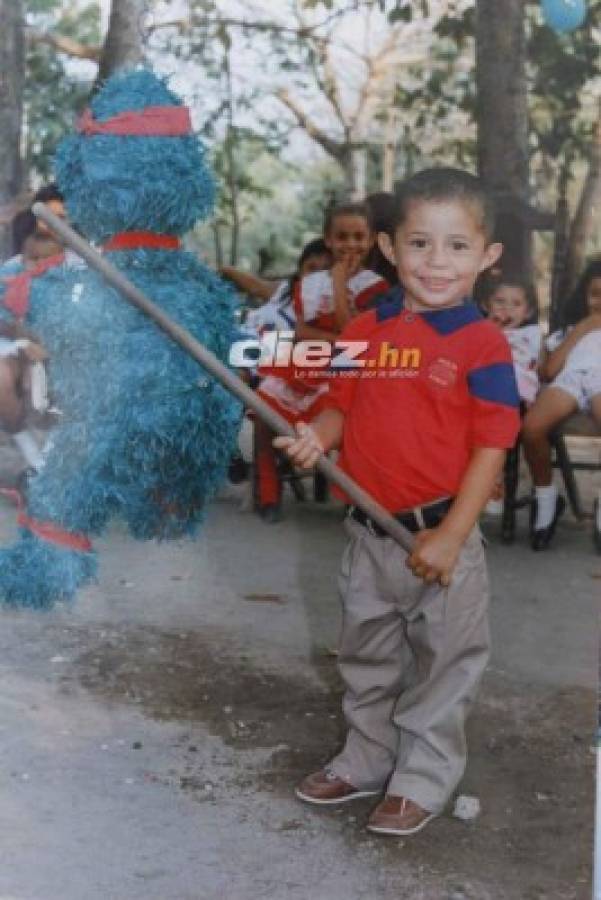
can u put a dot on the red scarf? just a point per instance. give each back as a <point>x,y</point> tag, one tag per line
<point>16,296</point>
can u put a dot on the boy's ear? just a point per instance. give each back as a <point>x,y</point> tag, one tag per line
<point>386,246</point>
<point>491,255</point>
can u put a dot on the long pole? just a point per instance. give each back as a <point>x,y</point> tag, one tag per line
<point>215,367</point>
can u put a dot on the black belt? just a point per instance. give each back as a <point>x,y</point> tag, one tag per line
<point>414,520</point>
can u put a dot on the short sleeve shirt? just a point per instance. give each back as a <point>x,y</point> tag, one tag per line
<point>314,298</point>
<point>584,356</point>
<point>431,387</point>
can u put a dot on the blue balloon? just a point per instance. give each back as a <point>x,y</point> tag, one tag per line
<point>564,15</point>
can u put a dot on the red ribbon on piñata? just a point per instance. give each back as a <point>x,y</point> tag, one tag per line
<point>154,121</point>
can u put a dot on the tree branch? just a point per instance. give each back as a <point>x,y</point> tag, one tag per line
<point>186,24</point>
<point>64,44</point>
<point>333,147</point>
<point>322,67</point>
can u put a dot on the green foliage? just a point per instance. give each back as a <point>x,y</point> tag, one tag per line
<point>560,69</point>
<point>283,210</point>
<point>53,92</point>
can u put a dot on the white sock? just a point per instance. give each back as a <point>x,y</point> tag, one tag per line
<point>546,500</point>
<point>28,446</point>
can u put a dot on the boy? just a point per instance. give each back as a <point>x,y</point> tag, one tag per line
<point>427,439</point>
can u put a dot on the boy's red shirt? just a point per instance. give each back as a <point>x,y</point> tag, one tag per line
<point>409,431</point>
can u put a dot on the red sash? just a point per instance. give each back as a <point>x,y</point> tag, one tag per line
<point>16,296</point>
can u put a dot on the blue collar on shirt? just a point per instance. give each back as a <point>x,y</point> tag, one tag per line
<point>444,321</point>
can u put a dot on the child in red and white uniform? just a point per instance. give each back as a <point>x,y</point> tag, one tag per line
<point>324,303</point>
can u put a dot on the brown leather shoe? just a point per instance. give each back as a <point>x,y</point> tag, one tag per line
<point>398,816</point>
<point>325,787</point>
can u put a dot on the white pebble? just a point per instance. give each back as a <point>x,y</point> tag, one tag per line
<point>466,808</point>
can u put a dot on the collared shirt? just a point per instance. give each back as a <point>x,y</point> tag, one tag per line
<point>435,385</point>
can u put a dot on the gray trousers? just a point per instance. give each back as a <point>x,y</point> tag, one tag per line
<point>411,656</point>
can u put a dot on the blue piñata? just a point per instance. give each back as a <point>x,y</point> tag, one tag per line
<point>146,434</point>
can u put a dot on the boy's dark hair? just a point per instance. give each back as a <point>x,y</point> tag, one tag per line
<point>22,226</point>
<point>47,193</point>
<point>576,306</point>
<point>511,279</point>
<point>382,205</point>
<point>316,247</point>
<point>445,184</point>
<point>348,209</point>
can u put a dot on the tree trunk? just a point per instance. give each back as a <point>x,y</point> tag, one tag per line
<point>502,119</point>
<point>218,245</point>
<point>12,75</point>
<point>230,153</point>
<point>124,40</point>
<point>586,218</point>
<point>358,174</point>
<point>389,150</point>
<point>562,224</point>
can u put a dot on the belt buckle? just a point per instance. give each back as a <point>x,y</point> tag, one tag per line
<point>371,527</point>
<point>418,514</point>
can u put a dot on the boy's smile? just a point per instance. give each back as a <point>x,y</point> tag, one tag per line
<point>439,251</point>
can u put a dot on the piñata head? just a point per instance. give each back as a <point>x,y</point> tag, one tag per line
<point>134,163</point>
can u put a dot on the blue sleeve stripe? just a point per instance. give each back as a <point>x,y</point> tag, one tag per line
<point>494,383</point>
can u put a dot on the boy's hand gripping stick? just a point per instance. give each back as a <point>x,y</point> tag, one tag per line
<point>215,367</point>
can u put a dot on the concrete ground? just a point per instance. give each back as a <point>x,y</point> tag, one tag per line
<point>152,733</point>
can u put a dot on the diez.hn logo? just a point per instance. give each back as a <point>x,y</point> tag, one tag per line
<point>279,350</point>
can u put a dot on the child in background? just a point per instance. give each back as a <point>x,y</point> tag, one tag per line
<point>22,374</point>
<point>572,366</point>
<point>278,313</point>
<point>512,304</point>
<point>427,440</point>
<point>324,303</point>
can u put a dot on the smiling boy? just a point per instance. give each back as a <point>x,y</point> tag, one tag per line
<point>428,442</point>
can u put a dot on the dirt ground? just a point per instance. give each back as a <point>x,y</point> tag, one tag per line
<point>153,732</point>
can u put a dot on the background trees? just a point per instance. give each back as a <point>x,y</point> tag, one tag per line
<point>309,99</point>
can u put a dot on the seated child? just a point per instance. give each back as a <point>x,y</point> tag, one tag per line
<point>572,368</point>
<point>20,358</point>
<point>511,303</point>
<point>324,302</point>
<point>278,313</point>
<point>22,374</point>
